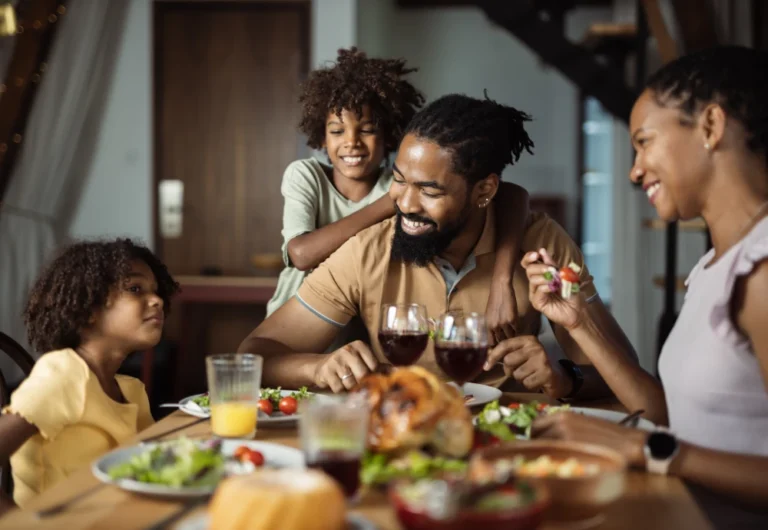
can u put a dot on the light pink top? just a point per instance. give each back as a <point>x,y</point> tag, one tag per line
<point>714,389</point>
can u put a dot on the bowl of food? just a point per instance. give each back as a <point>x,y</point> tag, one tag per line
<point>434,504</point>
<point>582,479</point>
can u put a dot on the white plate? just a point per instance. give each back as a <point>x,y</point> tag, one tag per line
<point>481,394</point>
<point>608,415</point>
<point>200,522</point>
<point>274,456</point>
<point>276,419</point>
<point>612,416</point>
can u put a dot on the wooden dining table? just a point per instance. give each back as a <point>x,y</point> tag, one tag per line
<point>649,502</point>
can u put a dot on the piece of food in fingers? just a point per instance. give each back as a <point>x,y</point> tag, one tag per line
<point>565,281</point>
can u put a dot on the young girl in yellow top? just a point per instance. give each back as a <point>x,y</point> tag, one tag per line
<point>96,303</point>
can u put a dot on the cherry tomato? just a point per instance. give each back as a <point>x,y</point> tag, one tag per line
<point>288,405</point>
<point>266,407</point>
<point>241,451</point>
<point>254,457</point>
<point>513,406</point>
<point>569,275</point>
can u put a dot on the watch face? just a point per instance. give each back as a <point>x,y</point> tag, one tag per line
<point>662,445</point>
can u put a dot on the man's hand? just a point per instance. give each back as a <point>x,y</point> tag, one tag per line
<point>524,359</point>
<point>501,312</point>
<point>345,367</point>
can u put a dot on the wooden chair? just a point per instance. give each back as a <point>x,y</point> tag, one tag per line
<point>25,361</point>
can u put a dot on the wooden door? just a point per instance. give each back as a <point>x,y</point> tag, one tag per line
<point>226,88</point>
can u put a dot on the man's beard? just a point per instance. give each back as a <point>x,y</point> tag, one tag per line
<point>421,250</point>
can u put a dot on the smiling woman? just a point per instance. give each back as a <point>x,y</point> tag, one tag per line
<point>700,130</point>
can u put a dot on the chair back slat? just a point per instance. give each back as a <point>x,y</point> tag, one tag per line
<point>25,362</point>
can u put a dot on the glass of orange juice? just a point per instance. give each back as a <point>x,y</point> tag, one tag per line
<point>234,385</point>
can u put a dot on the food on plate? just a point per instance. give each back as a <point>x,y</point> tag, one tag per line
<point>565,281</point>
<point>546,466</point>
<point>265,406</point>
<point>447,505</point>
<point>418,425</point>
<point>245,454</point>
<point>497,423</point>
<point>379,468</point>
<point>272,399</point>
<point>285,404</point>
<point>178,463</point>
<point>203,400</point>
<point>284,499</point>
<point>184,463</point>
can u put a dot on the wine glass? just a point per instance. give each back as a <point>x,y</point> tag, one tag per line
<point>461,345</point>
<point>404,332</point>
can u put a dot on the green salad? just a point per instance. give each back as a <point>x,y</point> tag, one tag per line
<point>271,394</point>
<point>178,463</point>
<point>512,422</point>
<point>378,468</point>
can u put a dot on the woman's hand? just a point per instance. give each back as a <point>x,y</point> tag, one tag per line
<point>567,313</point>
<point>580,428</point>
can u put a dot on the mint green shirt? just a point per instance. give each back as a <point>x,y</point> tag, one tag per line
<point>311,202</point>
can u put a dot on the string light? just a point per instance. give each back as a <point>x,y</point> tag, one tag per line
<point>35,78</point>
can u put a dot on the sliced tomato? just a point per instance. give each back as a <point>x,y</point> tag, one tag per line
<point>513,406</point>
<point>266,407</point>
<point>241,451</point>
<point>569,275</point>
<point>254,457</point>
<point>288,405</point>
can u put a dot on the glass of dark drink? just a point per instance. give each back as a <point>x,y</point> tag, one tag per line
<point>333,431</point>
<point>404,332</point>
<point>461,345</point>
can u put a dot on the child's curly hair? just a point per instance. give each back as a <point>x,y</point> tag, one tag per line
<point>78,282</point>
<point>354,81</point>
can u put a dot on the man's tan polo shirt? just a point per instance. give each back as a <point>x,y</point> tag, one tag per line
<point>359,277</point>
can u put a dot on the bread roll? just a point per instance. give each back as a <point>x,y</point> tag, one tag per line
<point>278,499</point>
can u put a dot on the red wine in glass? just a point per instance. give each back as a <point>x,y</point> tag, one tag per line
<point>342,466</point>
<point>404,347</point>
<point>461,362</point>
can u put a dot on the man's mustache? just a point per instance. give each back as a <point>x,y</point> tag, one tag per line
<point>415,218</point>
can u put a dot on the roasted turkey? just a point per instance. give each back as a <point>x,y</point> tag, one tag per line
<point>411,408</point>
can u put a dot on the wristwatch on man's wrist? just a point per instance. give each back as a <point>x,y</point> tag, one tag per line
<point>661,448</point>
<point>574,372</point>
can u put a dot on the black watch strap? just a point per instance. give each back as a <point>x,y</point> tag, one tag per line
<point>574,372</point>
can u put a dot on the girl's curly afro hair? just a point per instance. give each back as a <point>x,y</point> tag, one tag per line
<point>78,282</point>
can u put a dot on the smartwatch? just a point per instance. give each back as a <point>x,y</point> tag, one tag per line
<point>660,450</point>
<point>574,372</point>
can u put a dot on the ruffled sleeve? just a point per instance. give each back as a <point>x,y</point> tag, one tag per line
<point>752,251</point>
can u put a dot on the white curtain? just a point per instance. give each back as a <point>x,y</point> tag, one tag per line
<point>56,152</point>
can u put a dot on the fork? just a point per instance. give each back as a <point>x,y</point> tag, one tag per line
<point>631,420</point>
